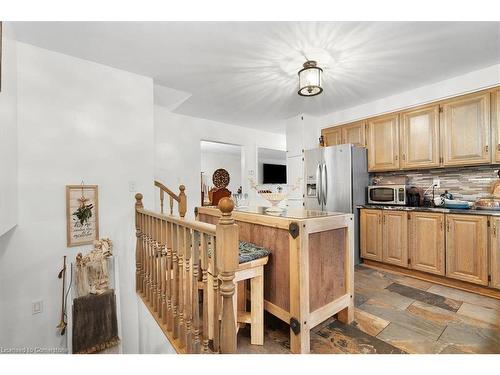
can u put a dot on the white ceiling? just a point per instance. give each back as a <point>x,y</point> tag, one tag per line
<point>245,73</point>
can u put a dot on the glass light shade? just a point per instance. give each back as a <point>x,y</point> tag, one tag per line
<point>310,79</point>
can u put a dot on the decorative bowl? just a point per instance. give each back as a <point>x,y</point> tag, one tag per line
<point>487,204</point>
<point>274,199</point>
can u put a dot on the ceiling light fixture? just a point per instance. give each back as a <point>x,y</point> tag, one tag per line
<point>310,79</point>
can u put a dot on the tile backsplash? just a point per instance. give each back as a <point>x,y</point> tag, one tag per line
<point>468,183</point>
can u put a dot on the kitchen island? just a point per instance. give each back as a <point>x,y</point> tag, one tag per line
<point>310,273</point>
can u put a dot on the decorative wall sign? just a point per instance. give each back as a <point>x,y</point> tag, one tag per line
<point>220,178</point>
<point>82,218</point>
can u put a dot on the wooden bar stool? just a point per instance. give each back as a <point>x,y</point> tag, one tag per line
<point>252,260</point>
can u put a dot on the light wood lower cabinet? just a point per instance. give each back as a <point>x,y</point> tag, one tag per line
<point>371,234</point>
<point>467,248</point>
<point>395,238</point>
<point>495,252</point>
<point>426,242</point>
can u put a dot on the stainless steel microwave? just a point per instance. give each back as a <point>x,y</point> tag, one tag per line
<point>387,194</point>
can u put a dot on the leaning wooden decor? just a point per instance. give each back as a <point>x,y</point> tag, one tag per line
<point>82,220</point>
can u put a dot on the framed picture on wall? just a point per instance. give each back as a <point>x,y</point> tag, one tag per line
<point>82,214</point>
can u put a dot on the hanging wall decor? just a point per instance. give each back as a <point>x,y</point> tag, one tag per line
<point>82,218</point>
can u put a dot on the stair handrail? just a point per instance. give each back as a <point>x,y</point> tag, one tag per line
<point>180,198</point>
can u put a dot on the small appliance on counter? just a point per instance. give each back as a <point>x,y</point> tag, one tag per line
<point>492,202</point>
<point>387,194</point>
<point>415,197</point>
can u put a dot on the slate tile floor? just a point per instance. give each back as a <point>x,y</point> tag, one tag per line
<point>397,314</point>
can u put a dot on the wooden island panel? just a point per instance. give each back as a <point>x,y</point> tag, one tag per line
<point>325,285</point>
<point>310,273</point>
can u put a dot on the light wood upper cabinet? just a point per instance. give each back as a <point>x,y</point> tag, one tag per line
<point>354,133</point>
<point>332,136</point>
<point>383,143</point>
<point>465,124</point>
<point>426,242</point>
<point>495,125</point>
<point>467,248</point>
<point>420,138</point>
<point>371,234</point>
<point>395,238</point>
<point>495,251</point>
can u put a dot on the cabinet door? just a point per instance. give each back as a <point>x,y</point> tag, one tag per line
<point>467,248</point>
<point>395,238</point>
<point>355,133</point>
<point>332,136</point>
<point>495,252</point>
<point>426,242</point>
<point>465,130</point>
<point>495,122</point>
<point>371,234</point>
<point>420,138</point>
<point>383,143</point>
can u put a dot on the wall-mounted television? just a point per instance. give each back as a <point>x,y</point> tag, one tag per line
<point>274,174</point>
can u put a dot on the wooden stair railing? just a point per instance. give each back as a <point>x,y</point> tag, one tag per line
<point>173,256</point>
<point>180,198</point>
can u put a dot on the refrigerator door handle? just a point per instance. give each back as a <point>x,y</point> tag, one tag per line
<point>324,186</point>
<point>318,183</point>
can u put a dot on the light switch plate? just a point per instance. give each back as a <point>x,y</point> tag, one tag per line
<point>436,182</point>
<point>36,307</point>
<point>132,187</point>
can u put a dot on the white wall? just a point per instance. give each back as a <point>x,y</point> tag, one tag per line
<point>8,132</point>
<point>178,152</point>
<point>77,120</point>
<point>211,161</point>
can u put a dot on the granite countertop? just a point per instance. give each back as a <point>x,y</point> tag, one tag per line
<point>470,211</point>
<point>288,213</point>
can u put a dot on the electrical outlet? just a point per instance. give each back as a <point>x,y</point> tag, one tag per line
<point>36,307</point>
<point>436,182</point>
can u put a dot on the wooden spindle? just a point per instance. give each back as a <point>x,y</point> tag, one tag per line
<point>144,254</point>
<point>154,281</point>
<point>171,205</point>
<point>162,198</point>
<point>188,278</point>
<point>182,201</point>
<point>215,293</point>
<point>227,262</point>
<point>164,304</point>
<point>175,280</point>
<point>182,244</point>
<point>195,293</point>
<point>204,281</point>
<point>168,276</point>
<point>138,244</point>
<point>148,263</point>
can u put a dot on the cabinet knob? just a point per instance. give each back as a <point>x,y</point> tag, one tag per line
<point>498,147</point>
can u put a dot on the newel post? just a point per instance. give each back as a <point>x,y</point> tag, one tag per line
<point>182,201</point>
<point>227,263</point>
<point>138,246</point>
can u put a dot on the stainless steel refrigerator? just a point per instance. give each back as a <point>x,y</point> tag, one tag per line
<point>336,180</point>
